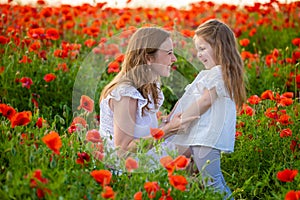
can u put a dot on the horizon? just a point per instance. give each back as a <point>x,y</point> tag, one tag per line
<point>142,3</point>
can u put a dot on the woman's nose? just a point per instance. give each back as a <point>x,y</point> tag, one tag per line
<point>199,54</point>
<point>173,59</point>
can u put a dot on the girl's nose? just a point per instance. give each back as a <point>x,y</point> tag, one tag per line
<point>199,54</point>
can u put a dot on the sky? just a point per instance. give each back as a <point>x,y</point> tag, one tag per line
<point>145,3</point>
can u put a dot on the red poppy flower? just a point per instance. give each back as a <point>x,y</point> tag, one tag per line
<point>252,32</point>
<point>40,122</point>
<point>270,59</point>
<point>151,188</point>
<point>238,134</point>
<point>26,82</point>
<point>271,113</point>
<point>244,42</point>
<point>284,119</point>
<point>25,59</point>
<point>60,53</point>
<point>86,103</point>
<point>254,99</point>
<point>7,111</point>
<point>36,45</point>
<point>187,33</point>
<point>37,177</point>
<point>248,110</point>
<point>287,175</point>
<point>2,69</point>
<point>166,196</point>
<point>93,136</point>
<point>275,53</point>
<point>108,193</point>
<point>41,2</point>
<point>113,67</point>
<point>82,158</point>
<point>36,33</point>
<point>49,77</point>
<point>285,102</point>
<point>98,155</point>
<point>102,176</point>
<point>53,141</point>
<point>90,42</point>
<point>292,195</point>
<point>296,56</point>
<point>131,164</point>
<point>296,42</point>
<point>178,181</point>
<point>52,34</point>
<point>167,163</point>
<point>157,133</point>
<point>181,162</point>
<point>36,181</point>
<point>120,57</point>
<point>4,40</point>
<point>21,119</point>
<point>77,124</point>
<point>288,94</point>
<point>62,66</point>
<point>285,133</point>
<point>268,94</point>
<point>138,195</point>
<point>293,146</point>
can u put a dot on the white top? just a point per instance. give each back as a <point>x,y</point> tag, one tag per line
<point>143,122</point>
<point>216,127</point>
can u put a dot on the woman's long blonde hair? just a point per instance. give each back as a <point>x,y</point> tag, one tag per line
<point>143,44</point>
<point>224,44</point>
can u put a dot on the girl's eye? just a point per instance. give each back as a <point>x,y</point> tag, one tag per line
<point>170,52</point>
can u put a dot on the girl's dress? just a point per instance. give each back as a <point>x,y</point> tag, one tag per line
<point>216,127</point>
<point>143,122</point>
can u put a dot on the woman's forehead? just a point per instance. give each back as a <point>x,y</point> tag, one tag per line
<point>166,45</point>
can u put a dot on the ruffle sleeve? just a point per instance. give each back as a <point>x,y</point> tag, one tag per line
<point>129,91</point>
<point>213,78</point>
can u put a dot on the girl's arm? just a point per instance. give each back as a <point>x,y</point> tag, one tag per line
<point>201,105</point>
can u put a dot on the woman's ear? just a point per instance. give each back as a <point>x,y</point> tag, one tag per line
<point>149,59</point>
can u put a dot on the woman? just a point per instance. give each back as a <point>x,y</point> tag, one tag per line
<point>129,103</point>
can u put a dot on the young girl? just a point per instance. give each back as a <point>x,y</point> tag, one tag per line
<point>129,103</point>
<point>213,95</point>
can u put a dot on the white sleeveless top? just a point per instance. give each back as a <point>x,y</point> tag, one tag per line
<point>143,122</point>
<point>216,127</point>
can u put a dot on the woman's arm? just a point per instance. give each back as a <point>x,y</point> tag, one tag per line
<point>124,123</point>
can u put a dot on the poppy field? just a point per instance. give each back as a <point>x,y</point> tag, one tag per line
<point>56,60</point>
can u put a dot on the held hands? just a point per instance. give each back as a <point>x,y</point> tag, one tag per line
<point>178,123</point>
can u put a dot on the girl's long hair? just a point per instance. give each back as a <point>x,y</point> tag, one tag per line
<point>143,44</point>
<point>223,42</point>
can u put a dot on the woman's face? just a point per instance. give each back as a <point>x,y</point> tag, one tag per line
<point>163,59</point>
<point>205,53</point>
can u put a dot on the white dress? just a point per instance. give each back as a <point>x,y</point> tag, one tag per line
<point>143,122</point>
<point>216,127</point>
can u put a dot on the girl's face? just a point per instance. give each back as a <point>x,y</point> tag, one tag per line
<point>205,52</point>
<point>163,59</point>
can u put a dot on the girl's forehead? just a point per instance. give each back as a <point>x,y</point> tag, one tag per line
<point>200,41</point>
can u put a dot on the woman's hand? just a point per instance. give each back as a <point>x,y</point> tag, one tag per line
<point>178,124</point>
